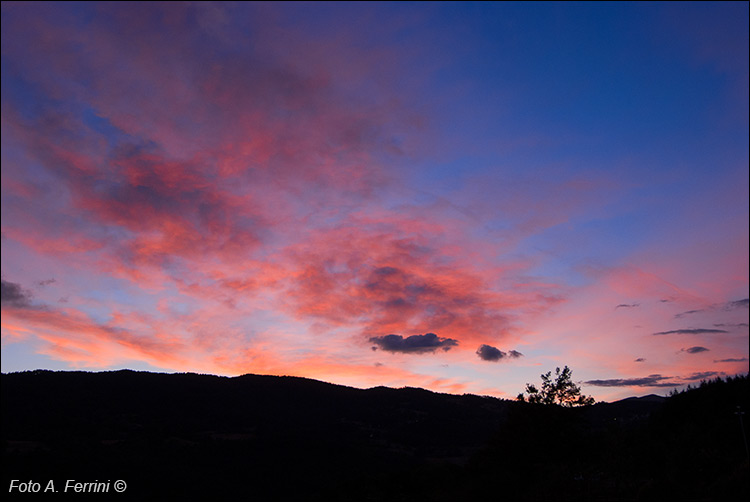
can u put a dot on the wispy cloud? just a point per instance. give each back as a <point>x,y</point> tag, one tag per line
<point>74,337</point>
<point>695,350</point>
<point>691,331</point>
<point>737,304</point>
<point>405,278</point>
<point>703,375</point>
<point>655,380</point>
<point>726,306</point>
<point>687,313</point>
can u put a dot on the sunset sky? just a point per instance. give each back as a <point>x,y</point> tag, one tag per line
<point>455,196</point>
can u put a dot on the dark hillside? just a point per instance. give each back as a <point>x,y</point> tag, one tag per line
<point>194,437</point>
<point>686,447</point>
<point>184,434</point>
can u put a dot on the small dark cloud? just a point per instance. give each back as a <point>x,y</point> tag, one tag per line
<point>627,305</point>
<point>649,381</point>
<point>640,360</point>
<point>415,344</point>
<point>490,353</point>
<point>14,295</point>
<point>695,350</point>
<point>691,331</point>
<point>46,282</point>
<point>731,360</point>
<point>378,365</point>
<point>665,300</point>
<point>687,313</point>
<point>737,304</point>
<point>727,325</point>
<point>702,375</point>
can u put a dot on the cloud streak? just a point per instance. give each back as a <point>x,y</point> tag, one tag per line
<point>702,375</point>
<point>695,350</point>
<point>737,304</point>
<point>655,380</point>
<point>691,331</point>
<point>725,306</point>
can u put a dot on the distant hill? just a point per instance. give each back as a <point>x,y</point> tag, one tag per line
<point>651,398</point>
<point>188,436</point>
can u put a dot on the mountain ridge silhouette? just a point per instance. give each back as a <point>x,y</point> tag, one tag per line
<point>190,436</point>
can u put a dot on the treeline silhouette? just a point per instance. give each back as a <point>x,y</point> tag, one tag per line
<point>191,437</point>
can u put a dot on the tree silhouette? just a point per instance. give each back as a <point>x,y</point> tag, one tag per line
<point>562,391</point>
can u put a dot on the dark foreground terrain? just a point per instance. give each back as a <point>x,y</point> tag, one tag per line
<point>201,437</point>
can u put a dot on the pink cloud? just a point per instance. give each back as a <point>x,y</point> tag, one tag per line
<point>74,337</point>
<point>71,336</point>
<point>399,281</point>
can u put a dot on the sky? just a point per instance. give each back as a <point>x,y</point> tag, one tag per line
<point>453,196</point>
